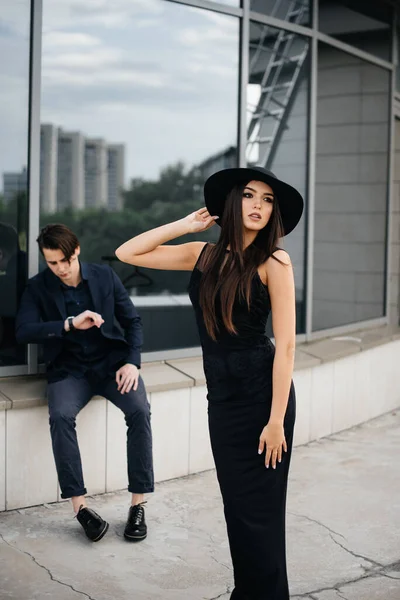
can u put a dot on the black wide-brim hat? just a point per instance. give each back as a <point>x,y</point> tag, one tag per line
<point>218,186</point>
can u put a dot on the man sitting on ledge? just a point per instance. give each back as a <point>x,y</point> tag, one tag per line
<point>70,308</point>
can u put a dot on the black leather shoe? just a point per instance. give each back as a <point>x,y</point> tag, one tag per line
<point>135,528</point>
<point>95,527</point>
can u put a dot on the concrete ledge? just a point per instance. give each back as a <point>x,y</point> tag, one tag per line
<point>303,360</point>
<point>192,367</point>
<point>5,403</point>
<point>160,377</point>
<point>24,392</point>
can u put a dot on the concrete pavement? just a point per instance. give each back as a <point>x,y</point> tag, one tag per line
<point>343,533</point>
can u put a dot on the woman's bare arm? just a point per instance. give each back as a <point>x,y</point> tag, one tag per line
<point>148,249</point>
<point>282,294</point>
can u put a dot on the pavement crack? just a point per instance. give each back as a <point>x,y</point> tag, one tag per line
<point>220,563</point>
<point>335,588</point>
<point>317,523</point>
<point>389,576</point>
<point>45,569</point>
<point>227,591</point>
<point>370,560</point>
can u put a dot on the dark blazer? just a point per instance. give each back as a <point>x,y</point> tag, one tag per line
<point>42,313</point>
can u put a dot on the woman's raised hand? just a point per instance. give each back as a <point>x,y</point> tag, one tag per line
<point>200,220</point>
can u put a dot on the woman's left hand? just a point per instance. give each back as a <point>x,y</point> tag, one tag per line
<point>272,439</point>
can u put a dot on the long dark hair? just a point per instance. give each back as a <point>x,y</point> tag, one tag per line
<point>231,274</point>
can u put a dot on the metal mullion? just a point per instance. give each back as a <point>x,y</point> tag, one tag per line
<point>243,82</point>
<point>214,6</point>
<point>34,153</point>
<point>326,39</point>
<point>280,24</point>
<point>312,157</point>
<point>390,175</point>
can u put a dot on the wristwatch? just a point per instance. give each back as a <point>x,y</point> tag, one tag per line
<point>71,323</point>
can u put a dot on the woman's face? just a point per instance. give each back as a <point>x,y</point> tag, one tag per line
<point>257,205</point>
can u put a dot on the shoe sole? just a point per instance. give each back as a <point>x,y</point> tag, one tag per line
<point>102,534</point>
<point>136,538</point>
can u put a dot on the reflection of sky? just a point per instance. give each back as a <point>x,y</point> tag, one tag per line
<point>157,76</point>
<point>14,73</point>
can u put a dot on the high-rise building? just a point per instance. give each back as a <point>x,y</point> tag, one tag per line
<point>79,172</point>
<point>13,184</point>
<point>48,167</point>
<point>116,175</point>
<point>70,170</point>
<point>96,172</point>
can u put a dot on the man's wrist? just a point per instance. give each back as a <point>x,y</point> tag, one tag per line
<point>69,324</point>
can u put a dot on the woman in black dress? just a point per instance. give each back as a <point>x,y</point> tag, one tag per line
<point>234,285</point>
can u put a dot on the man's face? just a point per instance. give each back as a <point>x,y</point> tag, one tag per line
<point>66,271</point>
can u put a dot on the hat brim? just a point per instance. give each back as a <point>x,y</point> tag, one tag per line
<point>218,186</point>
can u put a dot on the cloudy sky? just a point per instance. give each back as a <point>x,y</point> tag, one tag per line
<point>155,75</point>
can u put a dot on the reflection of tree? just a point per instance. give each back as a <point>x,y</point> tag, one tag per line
<point>147,204</point>
<point>174,190</point>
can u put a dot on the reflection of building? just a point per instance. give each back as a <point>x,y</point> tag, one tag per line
<point>116,162</point>
<point>13,184</point>
<point>311,98</point>
<point>96,188</point>
<point>79,172</point>
<point>70,170</point>
<point>48,167</point>
<point>222,160</point>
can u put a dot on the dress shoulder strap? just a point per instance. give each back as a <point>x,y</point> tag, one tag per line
<point>200,259</point>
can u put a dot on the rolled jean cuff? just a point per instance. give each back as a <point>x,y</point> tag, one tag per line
<point>80,492</point>
<point>141,489</point>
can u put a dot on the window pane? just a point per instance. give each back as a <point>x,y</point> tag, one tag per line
<point>366,25</point>
<point>351,190</point>
<point>139,105</point>
<point>14,105</point>
<point>277,97</point>
<point>294,11</point>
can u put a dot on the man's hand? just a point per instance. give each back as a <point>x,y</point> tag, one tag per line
<point>86,320</point>
<point>127,377</point>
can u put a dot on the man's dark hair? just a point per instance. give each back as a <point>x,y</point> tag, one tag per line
<point>57,236</point>
<point>9,242</point>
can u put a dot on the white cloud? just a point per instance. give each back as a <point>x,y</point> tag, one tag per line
<point>69,78</point>
<point>61,39</point>
<point>199,37</point>
<point>117,14</point>
<point>98,59</point>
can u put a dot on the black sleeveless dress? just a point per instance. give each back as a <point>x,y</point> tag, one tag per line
<point>238,370</point>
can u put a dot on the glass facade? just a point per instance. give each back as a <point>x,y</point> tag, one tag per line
<point>14,112</point>
<point>293,11</point>
<point>351,190</point>
<point>147,111</point>
<point>277,123</point>
<point>142,101</point>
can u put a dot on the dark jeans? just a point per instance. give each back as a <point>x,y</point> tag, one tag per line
<point>66,398</point>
